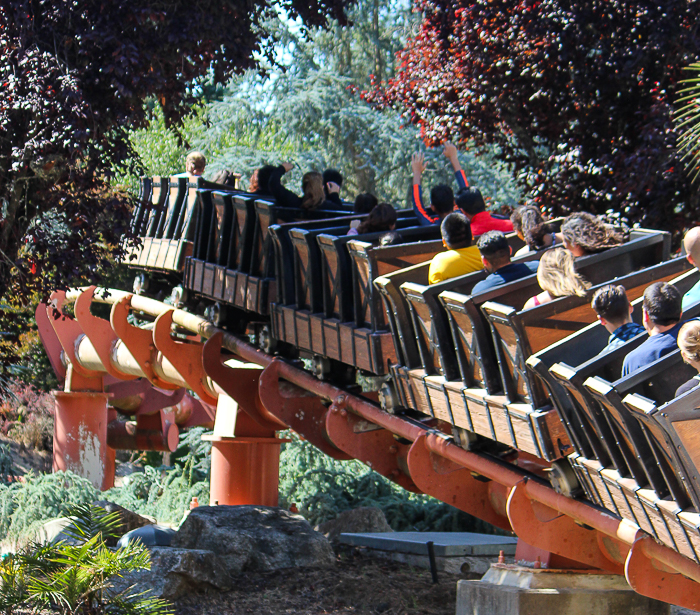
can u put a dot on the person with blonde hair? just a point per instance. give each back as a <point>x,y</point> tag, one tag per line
<point>689,343</point>
<point>557,277</point>
<point>195,164</point>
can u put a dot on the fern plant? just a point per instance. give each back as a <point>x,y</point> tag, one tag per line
<point>77,579</point>
<point>687,120</point>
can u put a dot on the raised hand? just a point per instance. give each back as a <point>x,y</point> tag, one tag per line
<point>418,164</point>
<point>288,166</point>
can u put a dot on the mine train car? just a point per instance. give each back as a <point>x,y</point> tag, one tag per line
<point>520,420</point>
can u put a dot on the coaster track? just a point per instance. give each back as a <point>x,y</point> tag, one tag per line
<point>508,415</point>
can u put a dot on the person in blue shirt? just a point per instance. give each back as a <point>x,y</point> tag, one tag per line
<point>495,256</point>
<point>614,312</point>
<point>691,243</point>
<point>661,316</point>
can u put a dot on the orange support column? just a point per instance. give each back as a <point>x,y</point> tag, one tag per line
<point>244,470</point>
<point>80,437</point>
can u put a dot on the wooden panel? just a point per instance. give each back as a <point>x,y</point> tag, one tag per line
<point>521,419</point>
<point>318,344</point>
<point>302,324</point>
<point>230,286</point>
<point>208,279</point>
<point>331,335</point>
<point>670,511</point>
<point>219,290</point>
<point>500,419</point>
<point>649,500</point>
<point>689,434</point>
<point>241,293</point>
<point>363,348</point>
<point>594,468</point>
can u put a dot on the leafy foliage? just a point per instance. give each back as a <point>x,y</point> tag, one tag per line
<point>687,120</point>
<point>322,488</point>
<point>25,506</point>
<point>74,78</point>
<point>576,95</point>
<point>161,493</point>
<point>76,579</point>
<point>307,109</point>
<point>26,416</point>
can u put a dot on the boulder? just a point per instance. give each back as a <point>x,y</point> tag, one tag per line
<point>175,572</point>
<point>52,532</point>
<point>254,538</point>
<point>356,521</point>
<point>130,520</point>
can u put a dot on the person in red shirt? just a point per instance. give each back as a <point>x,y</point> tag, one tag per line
<point>470,201</point>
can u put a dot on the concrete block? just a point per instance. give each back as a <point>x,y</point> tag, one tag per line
<point>508,590</point>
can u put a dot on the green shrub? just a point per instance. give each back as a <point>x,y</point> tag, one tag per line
<point>322,488</point>
<point>161,493</point>
<point>76,579</point>
<point>25,506</point>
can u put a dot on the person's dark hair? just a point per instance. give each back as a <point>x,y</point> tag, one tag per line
<point>470,201</point>
<point>662,302</point>
<point>389,238</point>
<point>611,303</point>
<point>528,222</point>
<point>456,231</point>
<point>364,203</point>
<point>332,175</point>
<point>494,246</point>
<point>442,199</point>
<point>588,232</point>
<point>381,218</point>
<point>264,174</point>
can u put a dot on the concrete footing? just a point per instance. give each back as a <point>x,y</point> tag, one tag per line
<point>514,590</point>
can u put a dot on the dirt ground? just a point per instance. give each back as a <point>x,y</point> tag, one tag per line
<point>357,585</point>
<point>25,459</point>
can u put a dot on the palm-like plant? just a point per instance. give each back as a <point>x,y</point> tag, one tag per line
<point>687,120</point>
<point>76,579</point>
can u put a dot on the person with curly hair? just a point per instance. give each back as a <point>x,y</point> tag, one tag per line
<point>689,343</point>
<point>531,227</point>
<point>557,277</point>
<point>381,218</point>
<point>584,233</point>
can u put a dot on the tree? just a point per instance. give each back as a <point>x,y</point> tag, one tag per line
<point>73,80</point>
<point>307,109</point>
<point>577,95</point>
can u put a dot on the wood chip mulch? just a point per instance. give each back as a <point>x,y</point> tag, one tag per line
<point>355,585</point>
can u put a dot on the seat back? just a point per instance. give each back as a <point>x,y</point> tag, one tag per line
<point>176,195</point>
<point>143,206</point>
<point>671,431</point>
<point>430,323</point>
<point>397,309</point>
<point>159,197</point>
<point>519,334</point>
<point>369,262</point>
<point>284,251</point>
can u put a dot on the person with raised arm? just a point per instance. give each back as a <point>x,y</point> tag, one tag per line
<point>313,197</point>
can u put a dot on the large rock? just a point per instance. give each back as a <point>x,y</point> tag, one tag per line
<point>175,572</point>
<point>356,521</point>
<point>255,538</point>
